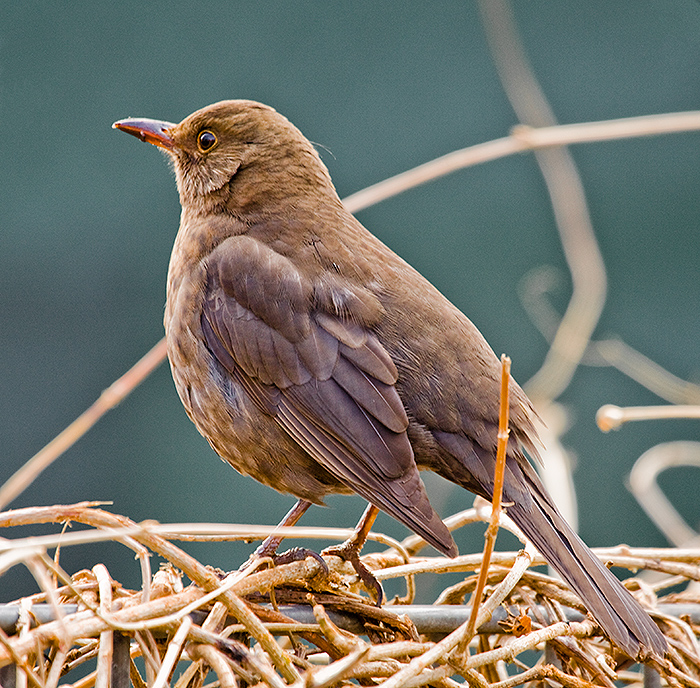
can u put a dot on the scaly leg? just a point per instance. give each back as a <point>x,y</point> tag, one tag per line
<point>269,546</point>
<point>350,551</point>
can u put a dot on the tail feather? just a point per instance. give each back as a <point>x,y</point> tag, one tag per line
<point>529,505</point>
<point>610,603</point>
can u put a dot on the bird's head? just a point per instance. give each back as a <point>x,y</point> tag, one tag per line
<point>237,156</point>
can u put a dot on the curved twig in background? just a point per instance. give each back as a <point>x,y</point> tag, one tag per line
<point>611,417</point>
<point>583,257</point>
<point>521,140</point>
<point>568,204</point>
<point>644,486</point>
<point>612,351</point>
<point>646,372</point>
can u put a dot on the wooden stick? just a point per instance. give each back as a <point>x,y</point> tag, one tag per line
<point>492,530</point>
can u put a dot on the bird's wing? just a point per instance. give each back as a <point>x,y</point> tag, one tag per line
<point>325,379</point>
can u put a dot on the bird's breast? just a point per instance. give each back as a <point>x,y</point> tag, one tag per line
<point>250,440</point>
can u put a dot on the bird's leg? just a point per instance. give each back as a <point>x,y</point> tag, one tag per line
<point>269,546</point>
<point>350,551</point>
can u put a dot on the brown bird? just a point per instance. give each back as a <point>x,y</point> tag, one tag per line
<point>317,361</point>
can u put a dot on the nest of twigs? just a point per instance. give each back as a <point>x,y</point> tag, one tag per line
<point>298,624</point>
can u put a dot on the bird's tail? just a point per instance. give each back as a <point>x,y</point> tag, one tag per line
<point>610,603</point>
<point>531,508</point>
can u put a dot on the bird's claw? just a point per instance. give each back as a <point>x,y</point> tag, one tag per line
<point>291,555</point>
<point>299,554</point>
<point>347,552</point>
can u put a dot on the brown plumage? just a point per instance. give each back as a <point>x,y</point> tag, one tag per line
<point>316,360</point>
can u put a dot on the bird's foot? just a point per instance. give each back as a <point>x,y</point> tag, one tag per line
<point>291,555</point>
<point>349,552</point>
<point>299,554</point>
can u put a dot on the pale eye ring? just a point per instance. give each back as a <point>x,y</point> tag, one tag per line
<point>206,140</point>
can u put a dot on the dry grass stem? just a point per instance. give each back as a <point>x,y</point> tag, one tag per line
<point>173,653</point>
<point>217,662</point>
<point>194,628</point>
<point>492,530</point>
<point>104,657</point>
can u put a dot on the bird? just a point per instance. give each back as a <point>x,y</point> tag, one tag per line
<point>317,361</point>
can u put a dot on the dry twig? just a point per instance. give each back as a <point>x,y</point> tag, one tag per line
<point>377,645</point>
<point>492,530</point>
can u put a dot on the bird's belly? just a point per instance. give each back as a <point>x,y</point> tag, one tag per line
<point>241,433</point>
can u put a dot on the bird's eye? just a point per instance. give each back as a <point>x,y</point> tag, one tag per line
<point>206,140</point>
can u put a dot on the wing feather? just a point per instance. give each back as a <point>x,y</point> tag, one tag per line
<point>325,378</point>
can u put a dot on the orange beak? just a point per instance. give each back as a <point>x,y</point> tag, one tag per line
<point>149,131</point>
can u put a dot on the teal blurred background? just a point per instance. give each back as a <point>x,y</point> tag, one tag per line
<point>88,217</point>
